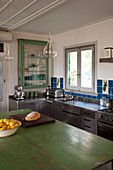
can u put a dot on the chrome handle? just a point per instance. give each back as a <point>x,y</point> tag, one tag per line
<point>103,124</point>
<point>49,101</point>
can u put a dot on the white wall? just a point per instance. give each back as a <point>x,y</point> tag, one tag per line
<point>101,32</point>
<point>13,66</point>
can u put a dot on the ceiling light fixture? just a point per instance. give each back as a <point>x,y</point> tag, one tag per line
<point>49,50</point>
<point>8,56</point>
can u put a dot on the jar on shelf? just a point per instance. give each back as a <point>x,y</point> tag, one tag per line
<point>108,52</point>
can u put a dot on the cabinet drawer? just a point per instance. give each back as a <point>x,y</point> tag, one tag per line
<point>89,128</point>
<point>87,120</point>
<point>88,113</point>
<point>71,119</point>
<point>74,120</point>
<point>73,110</point>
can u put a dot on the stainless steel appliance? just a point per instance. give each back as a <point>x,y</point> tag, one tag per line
<point>104,101</point>
<point>105,123</point>
<point>47,91</point>
<point>19,93</point>
<point>56,93</point>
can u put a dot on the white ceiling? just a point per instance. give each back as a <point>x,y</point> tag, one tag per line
<point>57,16</point>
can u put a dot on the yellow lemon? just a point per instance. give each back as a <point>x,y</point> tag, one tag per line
<point>16,125</point>
<point>1,120</point>
<point>4,127</point>
<point>11,123</point>
<point>12,127</point>
<point>1,124</point>
<point>1,128</point>
<point>4,120</point>
<point>7,122</point>
<point>12,120</point>
<point>8,127</point>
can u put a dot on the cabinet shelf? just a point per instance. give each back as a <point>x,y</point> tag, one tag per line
<point>35,71</point>
<point>35,80</point>
<point>43,58</point>
<point>106,60</point>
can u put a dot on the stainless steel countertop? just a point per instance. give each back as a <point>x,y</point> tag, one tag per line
<point>78,103</point>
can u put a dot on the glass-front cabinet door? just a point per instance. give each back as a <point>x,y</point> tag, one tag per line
<point>33,67</point>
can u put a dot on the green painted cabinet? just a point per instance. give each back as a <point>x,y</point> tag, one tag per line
<point>33,68</point>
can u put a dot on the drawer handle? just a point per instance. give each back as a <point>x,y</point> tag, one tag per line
<point>70,113</point>
<point>87,120</point>
<point>87,126</point>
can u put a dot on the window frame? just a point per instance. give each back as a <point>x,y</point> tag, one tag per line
<point>79,49</point>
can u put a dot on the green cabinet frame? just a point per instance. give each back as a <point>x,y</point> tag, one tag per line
<point>21,57</point>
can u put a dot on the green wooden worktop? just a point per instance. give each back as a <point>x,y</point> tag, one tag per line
<point>52,146</point>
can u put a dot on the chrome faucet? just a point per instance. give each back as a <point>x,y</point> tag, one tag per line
<point>72,96</point>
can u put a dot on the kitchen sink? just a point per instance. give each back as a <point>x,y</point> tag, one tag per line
<point>83,104</point>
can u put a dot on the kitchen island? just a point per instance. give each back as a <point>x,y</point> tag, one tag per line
<point>52,146</point>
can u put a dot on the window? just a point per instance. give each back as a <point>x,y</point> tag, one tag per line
<point>80,68</point>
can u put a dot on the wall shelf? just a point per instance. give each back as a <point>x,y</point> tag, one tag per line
<point>106,60</point>
<point>33,71</point>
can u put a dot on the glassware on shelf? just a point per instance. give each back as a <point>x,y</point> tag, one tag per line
<point>26,53</point>
<point>26,50</point>
<point>34,66</point>
<point>39,53</point>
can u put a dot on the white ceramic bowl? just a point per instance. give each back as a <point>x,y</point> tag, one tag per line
<point>4,133</point>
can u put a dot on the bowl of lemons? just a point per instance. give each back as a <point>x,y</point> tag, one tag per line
<point>8,127</point>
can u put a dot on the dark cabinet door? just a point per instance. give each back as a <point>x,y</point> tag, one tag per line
<point>45,107</point>
<point>67,114</point>
<point>74,120</point>
<point>49,108</point>
<point>12,105</point>
<point>27,105</point>
<point>71,119</point>
<point>71,115</point>
<point>42,107</point>
<point>105,131</point>
<point>57,111</point>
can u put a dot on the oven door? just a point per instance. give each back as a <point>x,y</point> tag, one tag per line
<point>105,130</point>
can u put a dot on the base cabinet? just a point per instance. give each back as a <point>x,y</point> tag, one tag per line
<point>31,105</point>
<point>49,108</point>
<point>67,114</point>
<point>88,120</point>
<point>45,107</point>
<point>57,111</point>
<point>40,106</point>
<point>71,115</point>
<point>13,105</point>
<point>16,105</point>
